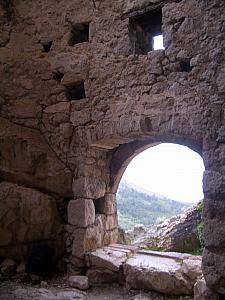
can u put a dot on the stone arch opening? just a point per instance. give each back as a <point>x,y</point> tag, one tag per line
<point>159,183</point>
<point>123,155</point>
<point>120,159</point>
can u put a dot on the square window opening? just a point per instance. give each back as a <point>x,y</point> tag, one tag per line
<point>99,204</point>
<point>76,91</point>
<point>79,34</point>
<point>146,32</point>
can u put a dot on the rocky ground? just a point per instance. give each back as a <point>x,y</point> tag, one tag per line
<point>178,233</point>
<point>58,289</point>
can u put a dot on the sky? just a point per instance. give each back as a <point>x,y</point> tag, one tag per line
<point>158,42</point>
<point>171,170</point>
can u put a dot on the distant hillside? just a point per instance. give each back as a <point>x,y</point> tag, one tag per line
<point>137,206</point>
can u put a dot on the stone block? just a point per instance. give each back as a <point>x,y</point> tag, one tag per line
<point>111,222</point>
<point>80,118</point>
<point>161,274</point>
<point>61,107</point>
<point>110,237</point>
<point>107,205</point>
<point>107,259</point>
<point>7,266</point>
<point>202,292</point>
<point>80,282</point>
<point>89,187</point>
<point>71,78</point>
<point>88,239</point>
<point>81,212</point>
<point>102,276</point>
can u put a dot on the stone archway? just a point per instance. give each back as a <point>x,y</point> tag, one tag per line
<point>93,212</point>
<point>102,228</point>
<point>123,155</point>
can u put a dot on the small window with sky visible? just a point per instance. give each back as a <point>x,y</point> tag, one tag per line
<point>145,32</point>
<point>158,42</point>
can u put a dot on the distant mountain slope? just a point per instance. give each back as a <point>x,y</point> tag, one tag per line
<point>138,206</point>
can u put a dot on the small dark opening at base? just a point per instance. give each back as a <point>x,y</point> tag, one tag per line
<point>75,92</point>
<point>40,260</point>
<point>57,75</point>
<point>79,34</point>
<point>221,297</point>
<point>46,46</point>
<point>185,66</point>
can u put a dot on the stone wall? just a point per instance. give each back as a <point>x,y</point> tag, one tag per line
<point>76,150</point>
<point>27,217</point>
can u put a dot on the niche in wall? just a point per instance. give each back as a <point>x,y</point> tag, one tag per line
<point>144,30</point>
<point>79,33</point>
<point>75,91</point>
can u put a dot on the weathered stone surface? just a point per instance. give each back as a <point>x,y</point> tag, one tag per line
<point>202,292</point>
<point>89,187</point>
<point>37,293</point>
<point>26,216</point>
<point>111,237</point>
<point>80,282</point>
<point>163,274</point>
<point>212,268</point>
<point>79,118</point>
<point>109,204</point>
<point>88,239</point>
<point>27,159</point>
<point>70,78</point>
<point>7,266</point>
<point>107,259</point>
<point>111,222</point>
<point>81,212</point>
<point>105,265</point>
<point>21,268</point>
<point>178,233</point>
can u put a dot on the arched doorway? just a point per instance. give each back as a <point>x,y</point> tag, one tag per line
<point>159,183</point>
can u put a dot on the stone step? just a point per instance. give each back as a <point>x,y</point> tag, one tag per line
<point>164,272</point>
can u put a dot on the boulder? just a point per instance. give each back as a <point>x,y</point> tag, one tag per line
<point>21,268</point>
<point>7,266</point>
<point>162,273</point>
<point>107,258</point>
<point>105,265</point>
<point>178,233</point>
<point>80,282</point>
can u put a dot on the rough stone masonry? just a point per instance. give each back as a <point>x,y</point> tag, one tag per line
<point>82,92</point>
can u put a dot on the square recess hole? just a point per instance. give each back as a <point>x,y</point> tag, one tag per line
<point>75,91</point>
<point>79,34</point>
<point>99,205</point>
<point>145,32</point>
